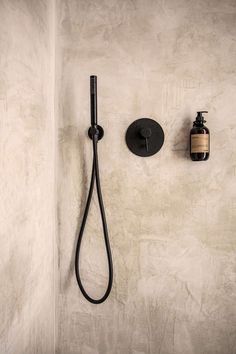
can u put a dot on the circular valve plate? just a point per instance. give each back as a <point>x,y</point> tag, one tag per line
<point>140,145</point>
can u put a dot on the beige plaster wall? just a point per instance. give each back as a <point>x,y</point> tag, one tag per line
<point>172,221</point>
<point>27,178</point>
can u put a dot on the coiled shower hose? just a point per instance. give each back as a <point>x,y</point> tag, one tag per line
<point>94,134</point>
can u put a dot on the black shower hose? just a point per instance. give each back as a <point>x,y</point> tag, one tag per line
<point>94,176</point>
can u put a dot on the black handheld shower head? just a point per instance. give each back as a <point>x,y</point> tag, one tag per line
<point>95,128</point>
<point>93,100</point>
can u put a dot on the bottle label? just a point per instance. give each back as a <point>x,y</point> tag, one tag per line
<point>200,143</point>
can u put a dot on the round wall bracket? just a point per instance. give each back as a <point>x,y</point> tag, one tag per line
<point>144,137</point>
<point>100,132</point>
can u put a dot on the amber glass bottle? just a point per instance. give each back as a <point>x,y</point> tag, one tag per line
<point>199,139</point>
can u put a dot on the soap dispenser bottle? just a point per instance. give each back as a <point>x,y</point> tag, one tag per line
<point>199,139</point>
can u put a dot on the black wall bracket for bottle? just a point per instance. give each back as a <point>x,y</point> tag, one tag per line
<point>144,137</point>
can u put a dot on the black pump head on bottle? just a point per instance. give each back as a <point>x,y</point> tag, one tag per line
<point>200,118</point>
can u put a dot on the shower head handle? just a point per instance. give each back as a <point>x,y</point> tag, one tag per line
<point>95,129</point>
<point>93,99</point>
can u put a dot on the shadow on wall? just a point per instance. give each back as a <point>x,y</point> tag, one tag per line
<point>71,145</point>
<point>181,142</point>
<point>69,136</point>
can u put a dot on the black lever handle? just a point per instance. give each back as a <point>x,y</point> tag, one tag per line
<point>145,134</point>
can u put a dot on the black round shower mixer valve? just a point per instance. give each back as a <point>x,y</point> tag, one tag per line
<point>144,137</point>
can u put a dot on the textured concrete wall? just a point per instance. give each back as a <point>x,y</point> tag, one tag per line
<point>172,221</point>
<point>27,178</point>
